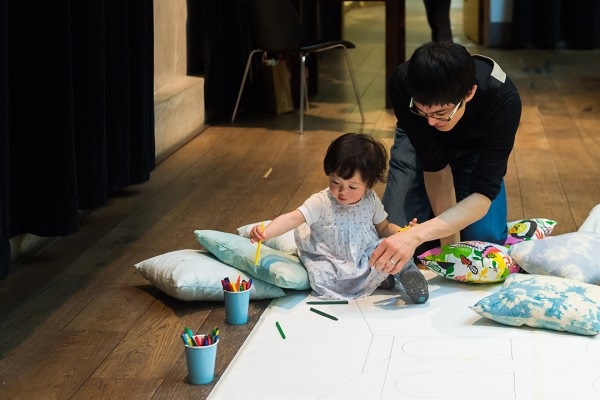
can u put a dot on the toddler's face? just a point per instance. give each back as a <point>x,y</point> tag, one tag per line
<point>347,191</point>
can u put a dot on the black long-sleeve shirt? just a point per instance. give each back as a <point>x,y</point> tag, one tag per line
<point>489,125</point>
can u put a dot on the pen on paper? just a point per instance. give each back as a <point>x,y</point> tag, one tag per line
<point>328,302</point>
<point>324,314</point>
<point>280,329</point>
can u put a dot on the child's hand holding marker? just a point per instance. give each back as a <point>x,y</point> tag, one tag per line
<point>258,234</point>
<point>189,339</point>
<point>410,225</point>
<point>239,286</point>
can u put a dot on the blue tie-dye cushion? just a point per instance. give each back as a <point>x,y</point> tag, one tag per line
<point>574,255</point>
<point>544,302</point>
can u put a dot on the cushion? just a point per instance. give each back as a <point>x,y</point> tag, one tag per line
<point>470,261</point>
<point>544,302</point>
<point>574,255</point>
<point>285,243</point>
<point>196,275</point>
<point>529,229</point>
<point>276,267</point>
<point>592,222</point>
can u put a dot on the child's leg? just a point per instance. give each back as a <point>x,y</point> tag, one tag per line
<point>388,284</point>
<point>414,283</point>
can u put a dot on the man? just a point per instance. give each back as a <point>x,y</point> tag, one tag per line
<point>457,119</point>
<point>438,18</point>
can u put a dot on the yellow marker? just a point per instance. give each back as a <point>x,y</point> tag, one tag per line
<point>262,227</point>
<point>405,227</point>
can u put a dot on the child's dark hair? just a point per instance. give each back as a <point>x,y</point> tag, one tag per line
<point>440,73</point>
<point>353,152</point>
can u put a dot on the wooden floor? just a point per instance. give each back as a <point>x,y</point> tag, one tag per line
<point>78,322</point>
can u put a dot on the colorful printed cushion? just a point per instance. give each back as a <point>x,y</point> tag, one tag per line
<point>196,275</point>
<point>574,255</point>
<point>274,266</point>
<point>542,301</point>
<point>529,229</point>
<point>470,261</point>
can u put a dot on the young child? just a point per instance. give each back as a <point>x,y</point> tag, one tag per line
<point>339,227</point>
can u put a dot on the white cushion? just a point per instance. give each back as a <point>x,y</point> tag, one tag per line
<point>196,275</point>
<point>574,255</point>
<point>284,243</point>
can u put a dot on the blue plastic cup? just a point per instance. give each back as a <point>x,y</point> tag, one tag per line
<point>236,307</point>
<point>201,363</point>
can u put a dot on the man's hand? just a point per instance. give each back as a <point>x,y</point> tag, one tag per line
<point>394,252</point>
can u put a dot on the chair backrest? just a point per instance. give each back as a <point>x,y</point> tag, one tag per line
<point>275,25</point>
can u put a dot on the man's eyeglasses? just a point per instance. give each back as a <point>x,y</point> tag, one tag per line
<point>415,111</point>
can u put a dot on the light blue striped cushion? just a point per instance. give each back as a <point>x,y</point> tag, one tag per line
<point>274,267</point>
<point>544,302</point>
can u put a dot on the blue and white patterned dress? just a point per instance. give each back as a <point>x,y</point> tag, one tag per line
<point>336,242</point>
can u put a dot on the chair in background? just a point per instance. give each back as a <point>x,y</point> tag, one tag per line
<point>276,28</point>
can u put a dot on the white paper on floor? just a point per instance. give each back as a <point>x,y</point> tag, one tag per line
<point>385,347</point>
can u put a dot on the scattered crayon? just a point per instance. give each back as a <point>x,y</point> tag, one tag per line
<point>323,314</point>
<point>280,329</point>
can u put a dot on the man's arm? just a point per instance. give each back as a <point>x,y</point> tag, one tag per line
<point>401,246</point>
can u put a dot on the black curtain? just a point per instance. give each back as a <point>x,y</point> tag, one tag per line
<point>4,235</point>
<point>77,113</point>
<point>552,24</point>
<point>218,40</point>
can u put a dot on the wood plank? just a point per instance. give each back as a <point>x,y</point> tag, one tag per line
<point>77,319</point>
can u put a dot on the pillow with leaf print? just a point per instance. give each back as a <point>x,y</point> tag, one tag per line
<point>470,261</point>
<point>541,301</point>
<point>529,229</point>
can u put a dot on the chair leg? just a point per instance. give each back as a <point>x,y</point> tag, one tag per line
<point>351,69</point>
<point>248,63</point>
<point>302,90</point>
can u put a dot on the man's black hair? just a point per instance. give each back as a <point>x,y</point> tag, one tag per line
<point>440,73</point>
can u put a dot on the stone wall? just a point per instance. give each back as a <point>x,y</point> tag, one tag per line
<point>178,98</point>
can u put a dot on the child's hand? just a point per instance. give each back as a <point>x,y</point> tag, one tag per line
<point>257,234</point>
<point>410,225</point>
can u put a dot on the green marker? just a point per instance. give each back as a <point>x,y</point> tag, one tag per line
<point>280,330</point>
<point>323,314</point>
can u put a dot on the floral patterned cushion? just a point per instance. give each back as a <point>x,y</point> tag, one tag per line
<point>529,229</point>
<point>470,261</point>
<point>574,255</point>
<point>541,301</point>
